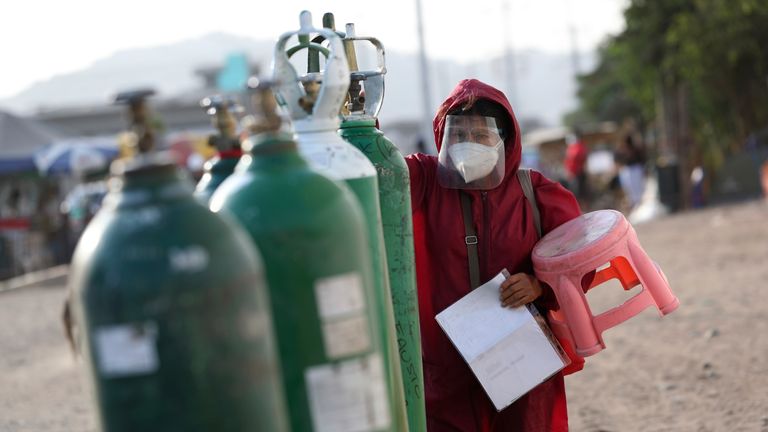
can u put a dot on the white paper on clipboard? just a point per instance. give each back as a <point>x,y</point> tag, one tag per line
<point>510,351</point>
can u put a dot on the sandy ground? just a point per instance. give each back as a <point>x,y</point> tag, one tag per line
<point>41,385</point>
<point>702,368</point>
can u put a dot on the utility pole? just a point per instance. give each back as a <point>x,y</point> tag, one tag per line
<point>573,37</point>
<point>509,58</point>
<point>575,63</point>
<point>426,96</point>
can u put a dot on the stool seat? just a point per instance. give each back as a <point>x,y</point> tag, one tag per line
<point>587,244</point>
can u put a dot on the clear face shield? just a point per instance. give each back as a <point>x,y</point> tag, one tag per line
<point>472,154</point>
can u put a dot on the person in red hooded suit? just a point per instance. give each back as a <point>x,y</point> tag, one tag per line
<point>478,143</point>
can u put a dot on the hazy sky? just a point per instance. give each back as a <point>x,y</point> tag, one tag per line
<point>43,38</point>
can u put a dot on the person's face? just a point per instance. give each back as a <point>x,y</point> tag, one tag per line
<point>473,128</point>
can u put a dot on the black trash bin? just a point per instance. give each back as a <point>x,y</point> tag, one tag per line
<point>667,175</point>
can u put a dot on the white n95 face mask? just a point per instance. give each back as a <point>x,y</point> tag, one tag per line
<point>471,153</point>
<point>472,160</point>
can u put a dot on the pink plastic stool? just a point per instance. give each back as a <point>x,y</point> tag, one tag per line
<point>565,255</point>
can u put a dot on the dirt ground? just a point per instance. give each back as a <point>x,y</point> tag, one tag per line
<point>701,368</point>
<point>704,366</point>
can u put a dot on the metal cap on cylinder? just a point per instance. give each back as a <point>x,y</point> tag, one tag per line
<point>222,110</point>
<point>266,125</point>
<point>138,111</point>
<point>266,117</point>
<point>312,99</point>
<point>132,97</point>
<point>217,104</point>
<point>366,91</point>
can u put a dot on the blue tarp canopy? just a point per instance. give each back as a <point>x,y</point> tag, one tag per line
<point>10,166</point>
<point>77,155</point>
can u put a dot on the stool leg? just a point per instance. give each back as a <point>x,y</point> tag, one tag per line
<point>651,279</point>
<point>574,306</point>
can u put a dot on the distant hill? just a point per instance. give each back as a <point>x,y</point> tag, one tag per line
<point>170,69</point>
<point>544,87</point>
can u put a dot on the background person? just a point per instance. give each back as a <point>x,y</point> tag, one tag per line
<point>630,158</point>
<point>576,168</point>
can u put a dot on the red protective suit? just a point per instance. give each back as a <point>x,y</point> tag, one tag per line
<point>506,234</point>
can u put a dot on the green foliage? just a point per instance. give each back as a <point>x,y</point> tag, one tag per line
<point>604,93</point>
<point>716,49</point>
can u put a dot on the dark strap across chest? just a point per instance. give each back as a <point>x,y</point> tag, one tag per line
<point>470,235</point>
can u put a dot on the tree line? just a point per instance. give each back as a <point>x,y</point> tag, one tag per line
<point>692,74</point>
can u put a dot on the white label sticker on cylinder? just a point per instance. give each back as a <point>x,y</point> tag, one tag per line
<point>188,259</point>
<point>341,309</point>
<point>349,396</point>
<point>318,160</point>
<point>340,295</point>
<point>126,349</point>
<point>347,336</point>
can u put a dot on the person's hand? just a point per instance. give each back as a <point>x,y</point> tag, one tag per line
<point>519,289</point>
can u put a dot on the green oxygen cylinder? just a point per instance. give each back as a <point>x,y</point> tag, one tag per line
<point>172,311</point>
<point>359,128</point>
<point>312,235</point>
<point>313,102</point>
<point>226,143</point>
